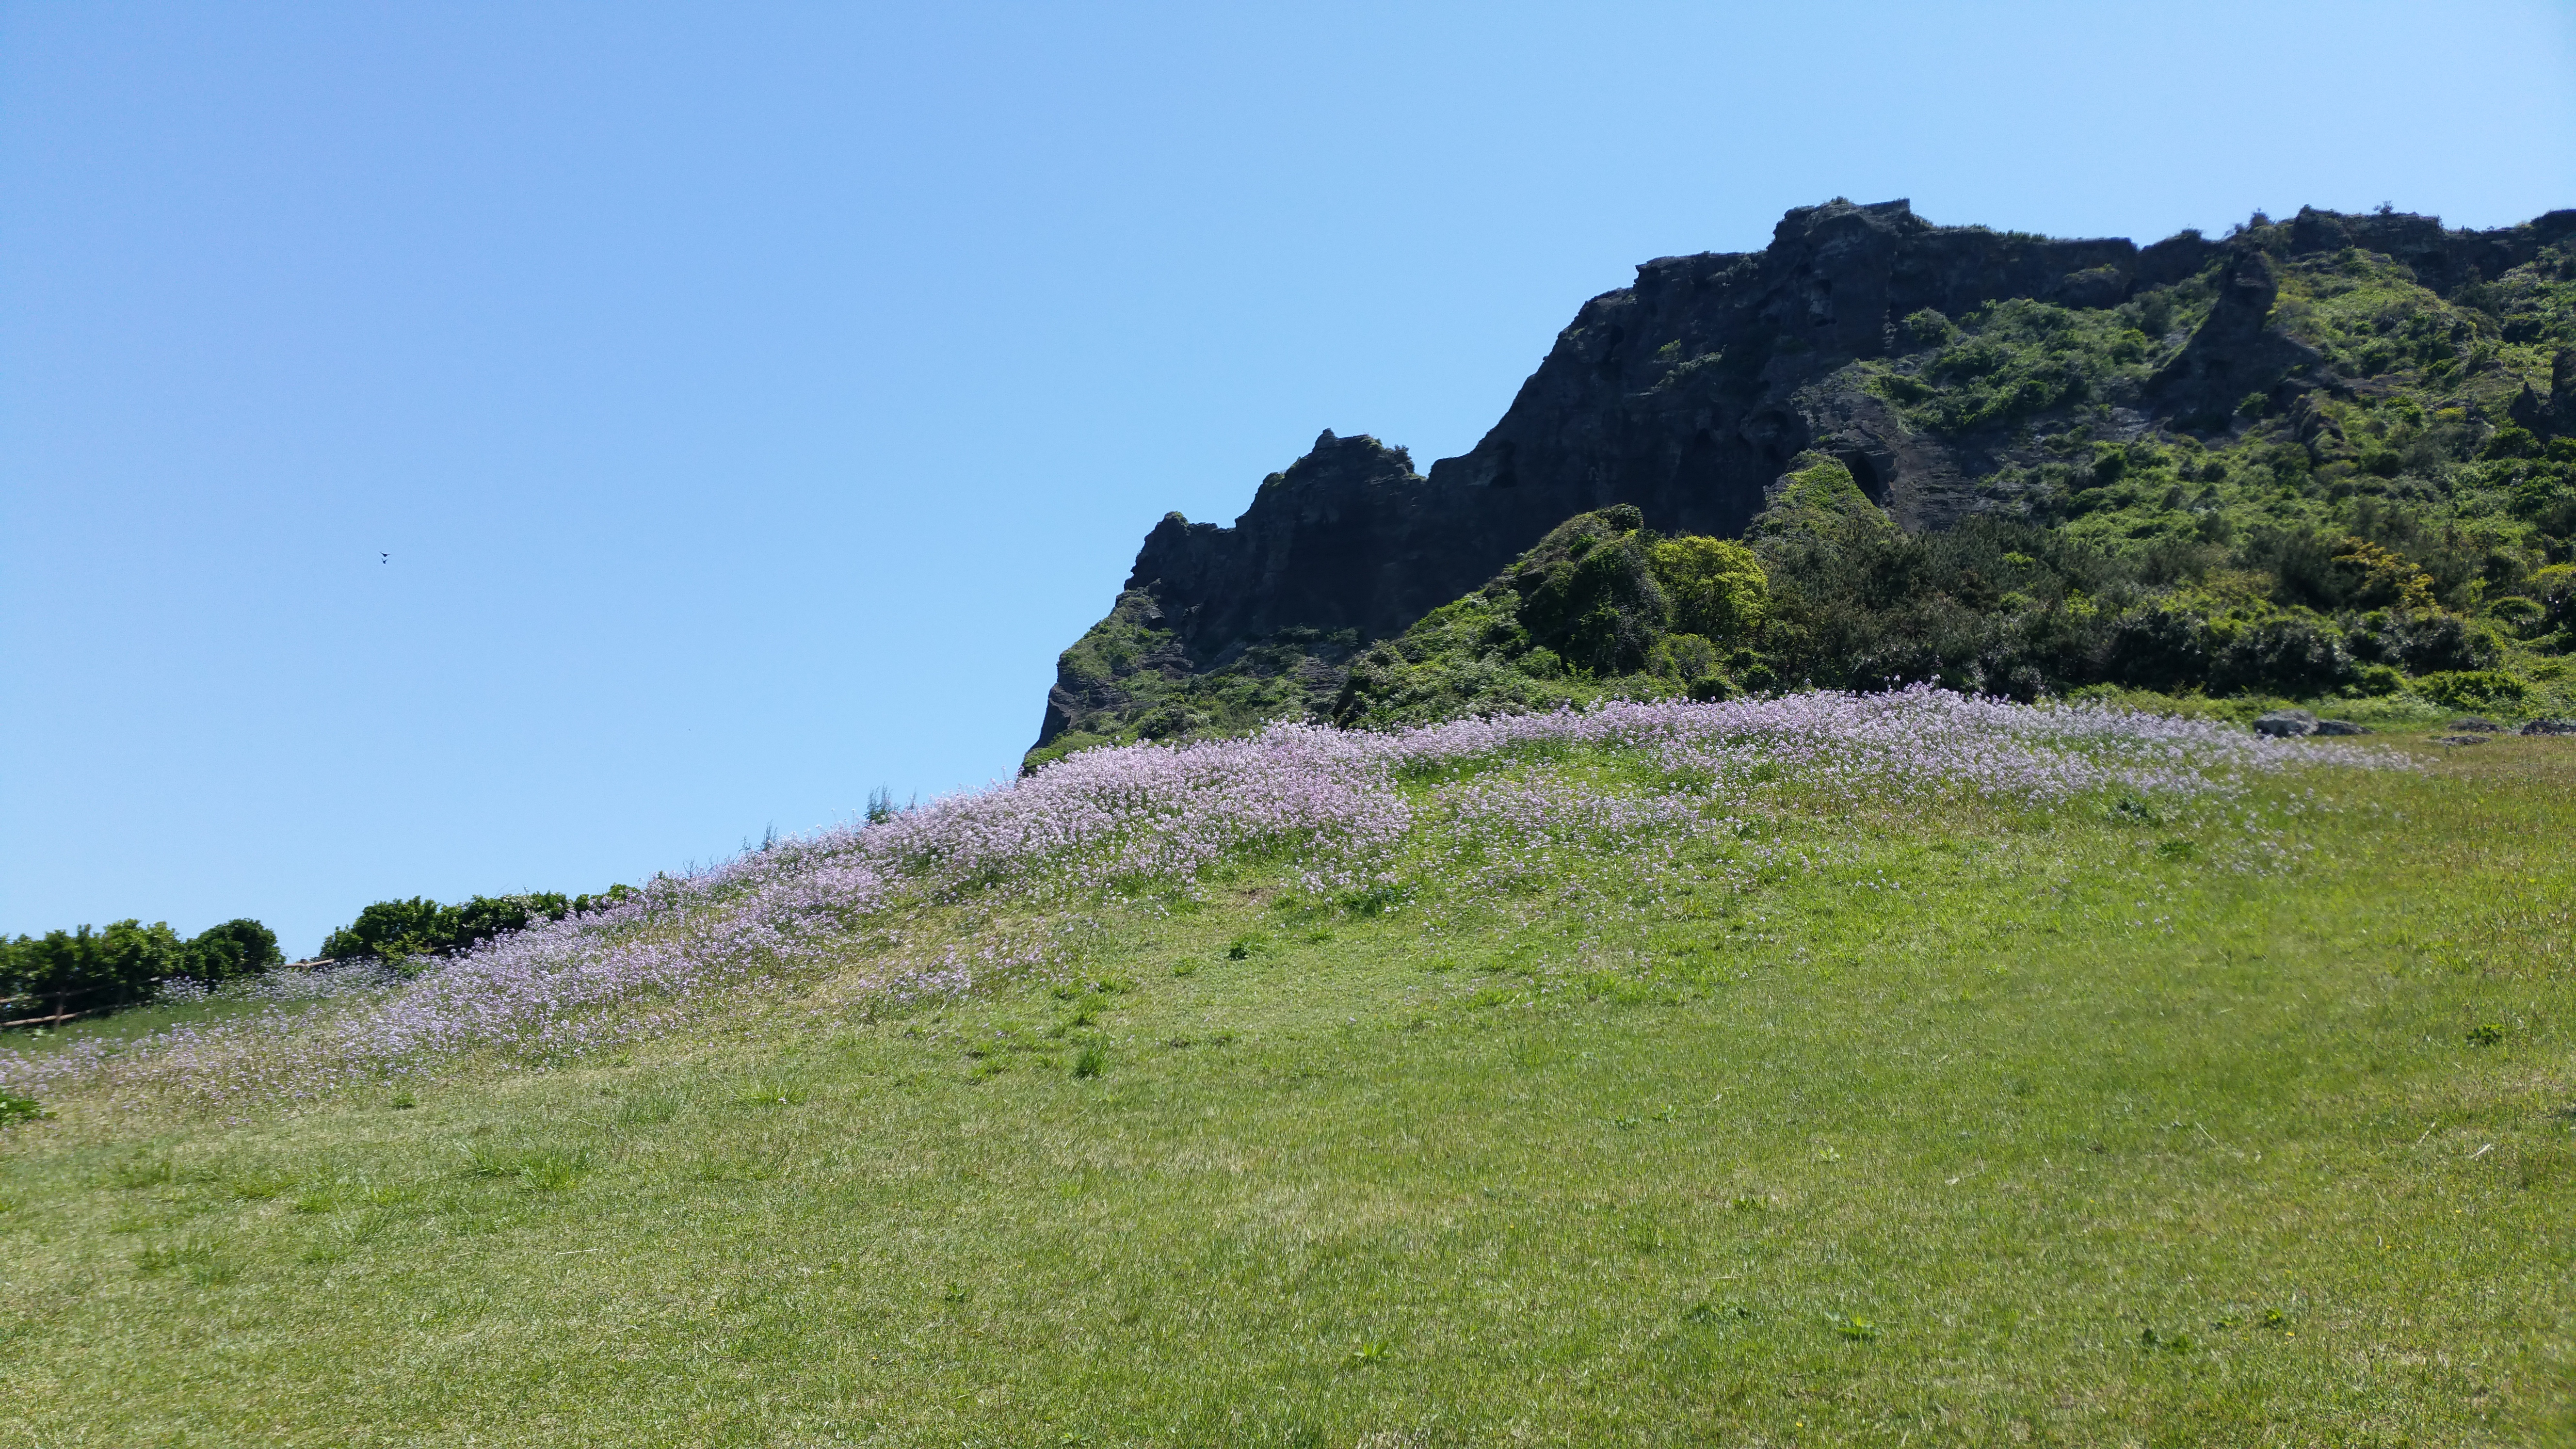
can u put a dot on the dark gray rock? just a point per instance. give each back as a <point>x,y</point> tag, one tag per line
<point>2238,352</point>
<point>2549,727</point>
<point>2459,739</point>
<point>1686,393</point>
<point>2442,259</point>
<point>2340,727</point>
<point>2475,725</point>
<point>2286,723</point>
<point>2555,413</point>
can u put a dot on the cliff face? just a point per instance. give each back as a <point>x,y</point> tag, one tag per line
<point>1686,394</point>
<point>1347,538</point>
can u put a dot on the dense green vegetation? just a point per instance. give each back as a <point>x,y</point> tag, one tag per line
<point>2404,529</point>
<point>1601,604</point>
<point>2239,1123</point>
<point>1830,592</point>
<point>395,930</point>
<point>125,962</point>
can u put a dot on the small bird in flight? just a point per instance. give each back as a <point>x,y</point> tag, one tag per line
<point>388,558</point>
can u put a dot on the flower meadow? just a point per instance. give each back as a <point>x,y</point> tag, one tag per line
<point>1353,815</point>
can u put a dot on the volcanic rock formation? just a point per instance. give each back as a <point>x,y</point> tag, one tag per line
<point>1686,394</point>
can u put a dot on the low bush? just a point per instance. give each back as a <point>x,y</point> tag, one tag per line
<point>124,962</point>
<point>396,930</point>
<point>2474,689</point>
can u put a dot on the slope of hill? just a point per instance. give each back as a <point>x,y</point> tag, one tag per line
<point>2328,454</point>
<point>1821,1069</point>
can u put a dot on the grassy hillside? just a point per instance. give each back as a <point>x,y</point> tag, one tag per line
<point>1803,1072</point>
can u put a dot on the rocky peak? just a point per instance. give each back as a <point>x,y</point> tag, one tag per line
<point>1687,393</point>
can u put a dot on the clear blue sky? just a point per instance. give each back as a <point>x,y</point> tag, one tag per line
<point>753,399</point>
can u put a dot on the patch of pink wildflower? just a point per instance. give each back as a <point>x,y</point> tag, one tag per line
<point>1334,806</point>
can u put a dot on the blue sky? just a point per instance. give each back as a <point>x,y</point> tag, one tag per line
<point>754,399</point>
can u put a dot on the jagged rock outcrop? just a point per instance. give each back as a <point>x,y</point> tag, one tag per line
<point>1686,394</point>
<point>2236,353</point>
<point>2552,414</point>
<point>1345,539</point>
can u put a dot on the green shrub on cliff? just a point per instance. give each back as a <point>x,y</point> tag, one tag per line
<point>2014,358</point>
<point>1602,606</point>
<point>1817,499</point>
<point>1718,590</point>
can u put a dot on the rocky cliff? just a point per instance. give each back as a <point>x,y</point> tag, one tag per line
<point>1686,393</point>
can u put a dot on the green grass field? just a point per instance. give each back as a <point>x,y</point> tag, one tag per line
<point>2254,1124</point>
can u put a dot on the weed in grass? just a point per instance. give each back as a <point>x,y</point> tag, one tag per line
<point>2128,808</point>
<point>258,1186</point>
<point>316,1202</point>
<point>553,1171</point>
<point>1366,1353</point>
<point>2486,1034</point>
<point>482,1159</point>
<point>136,1173</point>
<point>538,1169</point>
<point>402,1100</point>
<point>165,1257</point>
<point>1239,949</point>
<point>1859,1330</point>
<point>15,1109</point>
<point>335,1247</point>
<point>953,1293</point>
<point>1185,968</point>
<point>771,1092</point>
<point>2176,850</point>
<point>1091,1062</point>
<point>2544,1166</point>
<point>648,1110</point>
